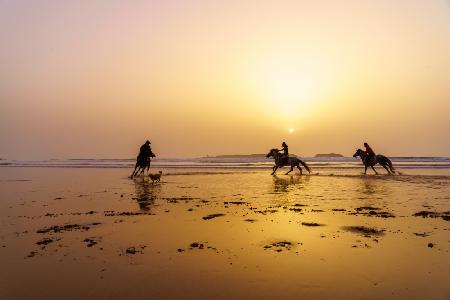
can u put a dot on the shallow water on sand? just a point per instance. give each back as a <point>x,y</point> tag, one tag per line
<point>222,235</point>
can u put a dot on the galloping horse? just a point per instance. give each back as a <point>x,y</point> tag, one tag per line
<point>380,159</point>
<point>141,164</point>
<point>290,161</point>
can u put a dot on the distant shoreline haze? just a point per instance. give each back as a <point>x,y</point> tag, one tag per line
<point>221,156</point>
<point>328,155</point>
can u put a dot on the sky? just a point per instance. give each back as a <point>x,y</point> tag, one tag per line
<point>95,79</point>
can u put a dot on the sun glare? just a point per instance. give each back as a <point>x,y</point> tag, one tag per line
<point>289,85</point>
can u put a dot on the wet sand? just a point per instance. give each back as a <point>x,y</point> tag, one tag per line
<point>95,234</point>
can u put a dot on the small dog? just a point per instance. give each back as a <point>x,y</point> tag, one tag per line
<point>155,177</point>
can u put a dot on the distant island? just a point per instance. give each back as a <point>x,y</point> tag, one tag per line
<point>329,155</point>
<point>242,156</point>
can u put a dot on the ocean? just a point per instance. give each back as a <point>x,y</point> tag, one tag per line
<point>255,163</point>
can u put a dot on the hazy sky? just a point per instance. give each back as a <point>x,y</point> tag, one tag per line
<point>97,78</point>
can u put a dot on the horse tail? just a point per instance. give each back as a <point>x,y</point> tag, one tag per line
<point>383,160</point>
<point>305,165</point>
<point>390,165</point>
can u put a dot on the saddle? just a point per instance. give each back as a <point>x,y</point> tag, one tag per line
<point>370,160</point>
<point>284,159</point>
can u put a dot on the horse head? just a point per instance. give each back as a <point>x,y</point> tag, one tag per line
<point>359,153</point>
<point>272,153</point>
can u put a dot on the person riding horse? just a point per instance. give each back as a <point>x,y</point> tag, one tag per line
<point>370,159</point>
<point>143,159</point>
<point>285,150</point>
<point>371,156</point>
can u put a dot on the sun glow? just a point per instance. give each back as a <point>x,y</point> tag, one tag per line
<point>290,84</point>
<point>291,88</point>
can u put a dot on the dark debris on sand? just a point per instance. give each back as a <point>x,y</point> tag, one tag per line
<point>280,246</point>
<point>365,231</point>
<point>112,213</point>
<point>236,202</point>
<point>422,234</point>
<point>367,208</point>
<point>92,241</point>
<point>31,254</point>
<point>312,224</point>
<point>266,211</point>
<point>177,199</point>
<point>212,216</point>
<point>45,241</point>
<point>198,246</point>
<point>67,227</point>
<point>433,214</point>
<point>372,212</point>
<point>135,249</point>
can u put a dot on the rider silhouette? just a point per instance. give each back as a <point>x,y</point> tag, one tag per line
<point>143,159</point>
<point>370,153</point>
<point>285,150</point>
<point>145,150</point>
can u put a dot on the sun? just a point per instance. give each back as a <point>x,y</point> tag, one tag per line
<point>291,130</point>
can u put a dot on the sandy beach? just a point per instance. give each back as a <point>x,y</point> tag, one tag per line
<point>213,98</point>
<point>70,233</point>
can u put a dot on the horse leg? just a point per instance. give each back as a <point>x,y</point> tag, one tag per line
<point>274,169</point>
<point>374,170</point>
<point>292,169</point>
<point>300,169</point>
<point>391,167</point>
<point>133,174</point>
<point>365,170</point>
<point>386,168</point>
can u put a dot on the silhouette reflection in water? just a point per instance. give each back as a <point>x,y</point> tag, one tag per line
<point>370,187</point>
<point>284,184</point>
<point>146,193</point>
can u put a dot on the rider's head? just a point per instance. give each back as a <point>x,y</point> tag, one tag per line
<point>284,144</point>
<point>366,145</point>
<point>147,142</point>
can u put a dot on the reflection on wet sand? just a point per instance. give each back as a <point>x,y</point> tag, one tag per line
<point>370,187</point>
<point>146,193</point>
<point>254,235</point>
<point>285,184</point>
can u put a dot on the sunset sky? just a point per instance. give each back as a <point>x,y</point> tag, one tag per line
<point>97,78</point>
